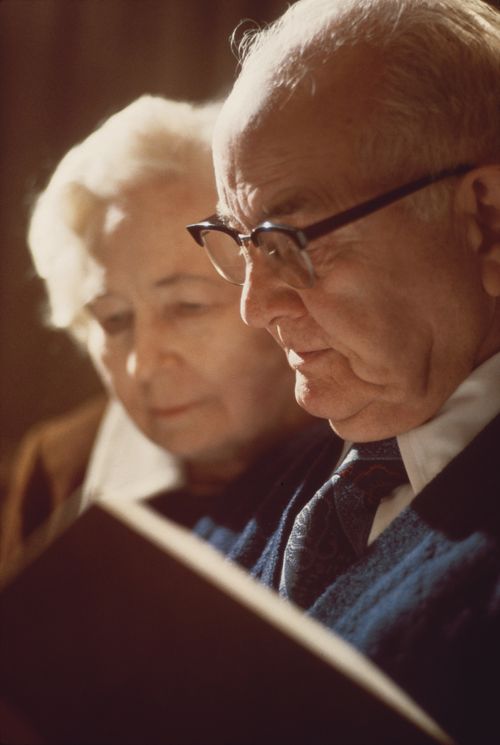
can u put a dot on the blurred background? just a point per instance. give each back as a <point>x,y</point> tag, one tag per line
<point>65,65</point>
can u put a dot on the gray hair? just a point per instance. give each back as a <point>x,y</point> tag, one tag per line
<point>440,98</point>
<point>149,138</point>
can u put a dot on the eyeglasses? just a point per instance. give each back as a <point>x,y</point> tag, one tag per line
<point>285,246</point>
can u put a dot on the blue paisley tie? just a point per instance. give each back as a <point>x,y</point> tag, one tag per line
<point>332,530</point>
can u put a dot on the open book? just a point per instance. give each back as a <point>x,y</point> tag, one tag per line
<point>128,630</point>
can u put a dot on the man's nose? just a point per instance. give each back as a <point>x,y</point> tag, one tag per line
<point>265,297</point>
<point>153,351</point>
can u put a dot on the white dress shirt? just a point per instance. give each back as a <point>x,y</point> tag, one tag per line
<point>427,449</point>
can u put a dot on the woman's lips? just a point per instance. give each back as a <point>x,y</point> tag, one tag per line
<point>172,411</point>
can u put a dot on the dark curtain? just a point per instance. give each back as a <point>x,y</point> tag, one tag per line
<point>65,65</point>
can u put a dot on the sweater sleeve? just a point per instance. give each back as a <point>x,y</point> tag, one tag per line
<point>50,464</point>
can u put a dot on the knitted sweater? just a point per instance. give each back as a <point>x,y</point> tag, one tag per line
<point>423,602</point>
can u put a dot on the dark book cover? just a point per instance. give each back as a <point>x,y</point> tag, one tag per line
<point>127,630</point>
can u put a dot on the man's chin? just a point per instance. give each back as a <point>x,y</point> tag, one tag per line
<point>349,420</point>
<point>356,410</point>
<point>320,404</point>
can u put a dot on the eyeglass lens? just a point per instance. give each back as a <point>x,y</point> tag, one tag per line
<point>226,255</point>
<point>290,264</point>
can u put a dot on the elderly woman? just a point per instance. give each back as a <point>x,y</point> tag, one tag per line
<point>123,277</point>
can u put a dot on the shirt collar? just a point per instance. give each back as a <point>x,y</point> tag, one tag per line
<point>125,464</point>
<point>427,449</point>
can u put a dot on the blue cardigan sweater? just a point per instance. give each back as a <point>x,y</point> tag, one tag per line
<point>423,602</point>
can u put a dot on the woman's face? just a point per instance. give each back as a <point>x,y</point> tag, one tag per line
<point>166,334</point>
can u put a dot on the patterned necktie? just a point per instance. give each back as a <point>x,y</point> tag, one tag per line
<point>332,530</point>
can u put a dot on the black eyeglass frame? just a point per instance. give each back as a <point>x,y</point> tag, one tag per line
<point>301,237</point>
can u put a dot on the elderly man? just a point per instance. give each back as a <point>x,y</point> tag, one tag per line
<point>358,168</point>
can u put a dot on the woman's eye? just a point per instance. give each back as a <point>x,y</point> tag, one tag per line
<point>187,309</point>
<point>116,323</point>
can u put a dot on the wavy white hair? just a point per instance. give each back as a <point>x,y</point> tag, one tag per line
<point>150,137</point>
<point>439,103</point>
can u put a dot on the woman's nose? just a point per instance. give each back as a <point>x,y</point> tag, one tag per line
<point>153,351</point>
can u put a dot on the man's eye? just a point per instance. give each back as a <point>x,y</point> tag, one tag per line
<point>279,247</point>
<point>116,323</point>
<point>323,252</point>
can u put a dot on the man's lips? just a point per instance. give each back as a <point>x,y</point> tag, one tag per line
<point>302,358</point>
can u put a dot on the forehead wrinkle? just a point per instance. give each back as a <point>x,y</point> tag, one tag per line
<point>260,181</point>
<point>275,190</point>
<point>287,207</point>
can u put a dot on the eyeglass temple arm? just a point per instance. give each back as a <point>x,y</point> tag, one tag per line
<point>319,229</point>
<point>194,229</point>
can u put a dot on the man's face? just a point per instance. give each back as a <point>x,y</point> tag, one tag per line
<point>397,317</point>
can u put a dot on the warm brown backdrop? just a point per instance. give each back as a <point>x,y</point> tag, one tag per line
<point>65,65</point>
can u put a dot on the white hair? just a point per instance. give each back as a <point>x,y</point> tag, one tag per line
<point>150,137</point>
<point>439,102</point>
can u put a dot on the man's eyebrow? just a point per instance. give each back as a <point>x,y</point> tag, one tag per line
<point>282,208</point>
<point>286,207</point>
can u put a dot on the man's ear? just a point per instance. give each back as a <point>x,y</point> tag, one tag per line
<point>478,201</point>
